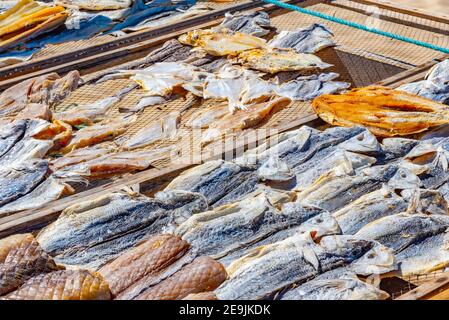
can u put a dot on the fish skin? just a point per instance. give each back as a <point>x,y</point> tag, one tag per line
<point>19,179</point>
<point>403,230</point>
<point>95,5</point>
<point>207,295</point>
<point>11,134</point>
<point>35,111</point>
<point>49,190</point>
<point>254,23</point>
<point>368,208</point>
<point>230,227</point>
<point>113,164</point>
<point>384,111</point>
<point>425,256</point>
<point>395,148</point>
<point>323,224</point>
<point>338,284</point>
<point>165,128</point>
<point>94,232</point>
<point>216,180</point>
<point>271,268</point>
<point>63,285</point>
<point>9,243</point>
<point>280,60</point>
<point>24,260</point>
<point>86,114</point>
<point>203,274</point>
<point>203,117</point>
<point>309,40</point>
<point>155,254</point>
<point>26,149</point>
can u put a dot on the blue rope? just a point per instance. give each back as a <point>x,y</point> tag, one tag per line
<point>358,26</point>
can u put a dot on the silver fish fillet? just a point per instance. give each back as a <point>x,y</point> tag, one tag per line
<point>256,23</point>
<point>11,134</point>
<point>93,232</point>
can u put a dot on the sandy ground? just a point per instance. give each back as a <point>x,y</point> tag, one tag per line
<point>441,6</point>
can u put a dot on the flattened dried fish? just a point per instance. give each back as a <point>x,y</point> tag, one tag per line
<point>227,228</point>
<point>369,208</point>
<point>118,163</point>
<point>338,284</point>
<point>35,111</point>
<point>97,133</point>
<point>49,190</point>
<point>216,180</point>
<point>384,111</point>
<point>271,268</point>
<point>308,40</point>
<point>11,134</point>
<point>21,178</point>
<point>222,42</point>
<point>402,230</point>
<point>63,285</point>
<point>434,87</point>
<point>278,60</point>
<point>203,117</point>
<point>255,23</point>
<point>86,114</point>
<point>203,274</point>
<point>143,264</point>
<point>333,191</point>
<point>94,232</point>
<point>78,156</point>
<point>23,259</point>
<point>242,119</point>
<point>164,129</point>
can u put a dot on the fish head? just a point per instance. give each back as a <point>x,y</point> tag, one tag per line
<point>404,179</point>
<point>274,169</point>
<point>349,247</point>
<point>378,260</point>
<point>423,153</point>
<point>321,225</point>
<point>364,143</point>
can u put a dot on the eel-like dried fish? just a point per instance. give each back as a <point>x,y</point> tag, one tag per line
<point>143,263</point>
<point>63,285</point>
<point>203,274</point>
<point>22,259</point>
<point>384,111</point>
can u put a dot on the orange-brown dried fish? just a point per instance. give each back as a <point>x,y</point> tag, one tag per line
<point>60,132</point>
<point>21,258</point>
<point>203,274</point>
<point>384,111</point>
<point>63,285</point>
<point>143,262</point>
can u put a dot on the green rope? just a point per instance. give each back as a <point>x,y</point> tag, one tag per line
<point>357,26</point>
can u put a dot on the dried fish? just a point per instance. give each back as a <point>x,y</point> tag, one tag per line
<point>11,134</point>
<point>204,117</point>
<point>309,40</point>
<point>23,259</point>
<point>384,111</point>
<point>21,178</point>
<point>86,114</point>
<point>96,5</point>
<point>94,232</point>
<point>164,129</point>
<point>222,42</point>
<point>255,23</point>
<point>49,190</point>
<point>143,264</point>
<point>203,274</point>
<point>242,119</point>
<point>63,285</point>
<point>278,60</point>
